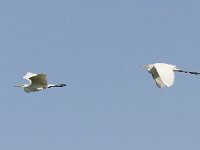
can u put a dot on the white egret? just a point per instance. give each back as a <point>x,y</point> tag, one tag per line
<point>163,74</point>
<point>37,82</point>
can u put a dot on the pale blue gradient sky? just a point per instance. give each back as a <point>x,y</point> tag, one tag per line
<point>96,47</point>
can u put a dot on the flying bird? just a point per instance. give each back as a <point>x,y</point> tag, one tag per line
<point>37,82</point>
<point>163,74</point>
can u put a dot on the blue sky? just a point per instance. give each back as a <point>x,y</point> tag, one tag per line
<point>96,48</point>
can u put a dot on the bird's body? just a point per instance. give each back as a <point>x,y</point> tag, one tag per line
<point>37,82</point>
<point>163,74</point>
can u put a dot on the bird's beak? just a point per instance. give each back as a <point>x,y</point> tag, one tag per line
<point>17,85</point>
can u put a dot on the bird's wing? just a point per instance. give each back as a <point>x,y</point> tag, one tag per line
<point>157,78</point>
<point>29,75</point>
<point>40,80</point>
<point>166,73</point>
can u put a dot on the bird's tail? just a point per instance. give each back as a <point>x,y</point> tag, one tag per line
<point>191,72</point>
<point>57,85</point>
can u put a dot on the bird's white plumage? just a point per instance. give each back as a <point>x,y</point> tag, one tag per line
<point>163,74</point>
<point>166,73</point>
<point>37,82</point>
<point>29,75</point>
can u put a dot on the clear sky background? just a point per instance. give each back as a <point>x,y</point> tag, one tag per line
<point>96,48</point>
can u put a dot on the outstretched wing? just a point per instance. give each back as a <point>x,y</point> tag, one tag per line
<point>40,80</point>
<point>165,73</point>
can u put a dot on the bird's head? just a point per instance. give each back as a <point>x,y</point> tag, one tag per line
<point>147,66</point>
<point>21,85</point>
